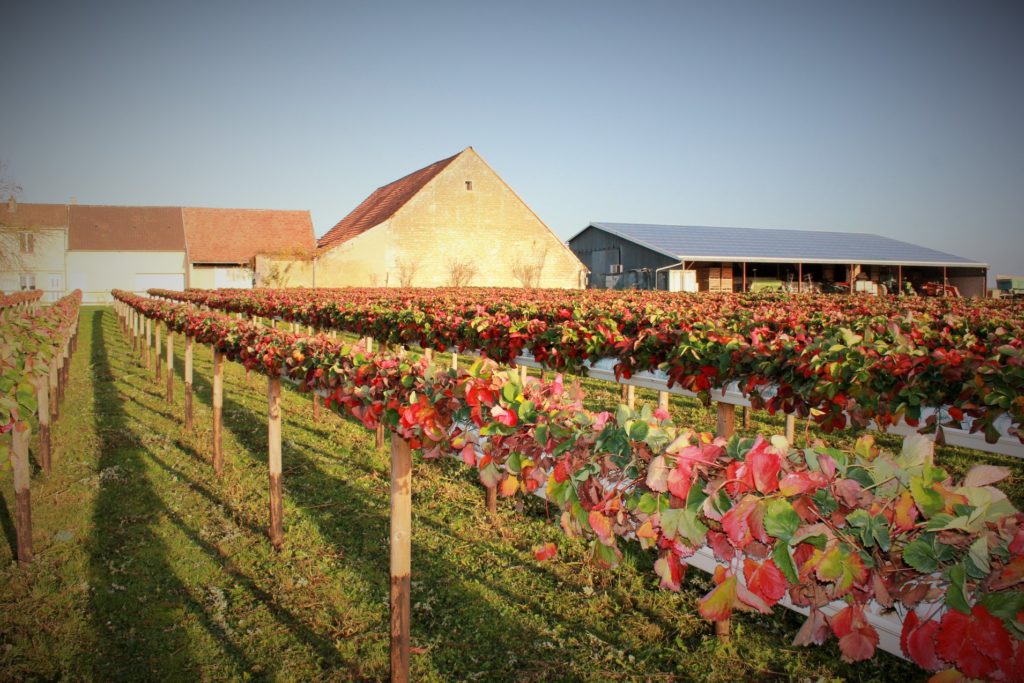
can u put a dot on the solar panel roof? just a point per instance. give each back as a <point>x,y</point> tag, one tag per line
<point>696,242</point>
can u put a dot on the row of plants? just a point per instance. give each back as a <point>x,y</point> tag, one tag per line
<point>28,344</point>
<point>839,359</point>
<point>818,525</point>
<point>19,298</point>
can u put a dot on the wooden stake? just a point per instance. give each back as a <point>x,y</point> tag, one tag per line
<point>663,397</point>
<point>428,355</point>
<point>156,334</point>
<point>630,396</point>
<point>149,346</point>
<point>746,418</point>
<point>401,561</point>
<point>22,497</point>
<point>492,500</point>
<point>53,381</point>
<point>380,435</point>
<point>276,531</point>
<point>170,367</point>
<point>455,360</point>
<point>43,400</point>
<point>722,630</point>
<point>218,410</point>
<point>188,383</point>
<point>726,420</point>
<point>790,428</point>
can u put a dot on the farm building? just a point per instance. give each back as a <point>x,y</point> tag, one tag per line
<point>699,258</point>
<point>454,222</point>
<point>63,247</point>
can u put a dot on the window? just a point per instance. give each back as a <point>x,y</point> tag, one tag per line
<point>27,242</point>
<point>28,281</point>
<point>469,185</point>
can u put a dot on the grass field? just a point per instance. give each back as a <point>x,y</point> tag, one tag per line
<point>150,568</point>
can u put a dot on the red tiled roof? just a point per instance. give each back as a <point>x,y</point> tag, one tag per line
<point>125,228</point>
<point>382,204</point>
<point>237,235</point>
<point>34,215</point>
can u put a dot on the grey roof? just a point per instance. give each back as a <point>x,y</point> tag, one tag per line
<point>702,243</point>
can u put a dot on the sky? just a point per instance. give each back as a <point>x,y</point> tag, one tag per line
<point>896,118</point>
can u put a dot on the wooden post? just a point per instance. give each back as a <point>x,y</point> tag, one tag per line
<point>790,428</point>
<point>149,346</point>
<point>218,409</point>
<point>746,418</point>
<point>315,331</point>
<point>455,360</point>
<point>726,420</point>
<point>726,428</point>
<point>663,398</point>
<point>22,497</point>
<point>188,383</point>
<point>799,277</point>
<point>899,279</point>
<point>156,343</point>
<point>401,561</point>
<point>170,367</point>
<point>276,530</point>
<point>631,396</point>
<point>492,500</point>
<point>43,410</point>
<point>522,374</point>
<point>53,381</point>
<point>428,355</point>
<point>133,324</point>
<point>380,435</point>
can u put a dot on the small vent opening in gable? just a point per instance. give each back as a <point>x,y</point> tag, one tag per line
<point>469,185</point>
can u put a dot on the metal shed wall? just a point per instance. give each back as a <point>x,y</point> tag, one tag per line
<point>598,250</point>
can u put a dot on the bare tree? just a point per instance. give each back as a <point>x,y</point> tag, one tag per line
<point>460,271</point>
<point>15,239</point>
<point>407,269</point>
<point>529,270</point>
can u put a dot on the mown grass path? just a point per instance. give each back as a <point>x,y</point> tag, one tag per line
<point>150,568</point>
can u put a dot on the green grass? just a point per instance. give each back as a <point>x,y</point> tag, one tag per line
<point>149,567</point>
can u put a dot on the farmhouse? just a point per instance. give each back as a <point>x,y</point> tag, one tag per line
<point>454,222</point>
<point>699,258</point>
<point>63,247</point>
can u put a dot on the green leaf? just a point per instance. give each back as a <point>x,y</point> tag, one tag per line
<point>638,430</point>
<point>955,592</point>
<point>780,519</point>
<point>647,504</point>
<point>540,433</point>
<point>696,497</point>
<point>928,500</point>
<point>683,522</point>
<point>920,555</point>
<point>978,554</point>
<point>784,561</point>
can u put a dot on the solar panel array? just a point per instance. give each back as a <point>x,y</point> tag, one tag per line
<point>686,242</point>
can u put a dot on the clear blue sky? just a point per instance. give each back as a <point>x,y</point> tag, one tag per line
<point>897,118</point>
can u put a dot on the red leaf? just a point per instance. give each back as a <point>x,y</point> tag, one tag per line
<point>1009,575</point>
<point>717,605</point>
<point>765,580</point>
<point>857,638</point>
<point>814,630</point>
<point>670,570</point>
<point>602,526</point>
<point>917,640</point>
<point>974,642</point>
<point>764,464</point>
<point>719,543</point>
<point>545,551</point>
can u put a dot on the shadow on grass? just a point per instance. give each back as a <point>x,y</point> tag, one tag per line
<point>137,602</point>
<point>464,620</point>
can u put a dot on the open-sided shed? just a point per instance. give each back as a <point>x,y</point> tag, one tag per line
<point>747,259</point>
